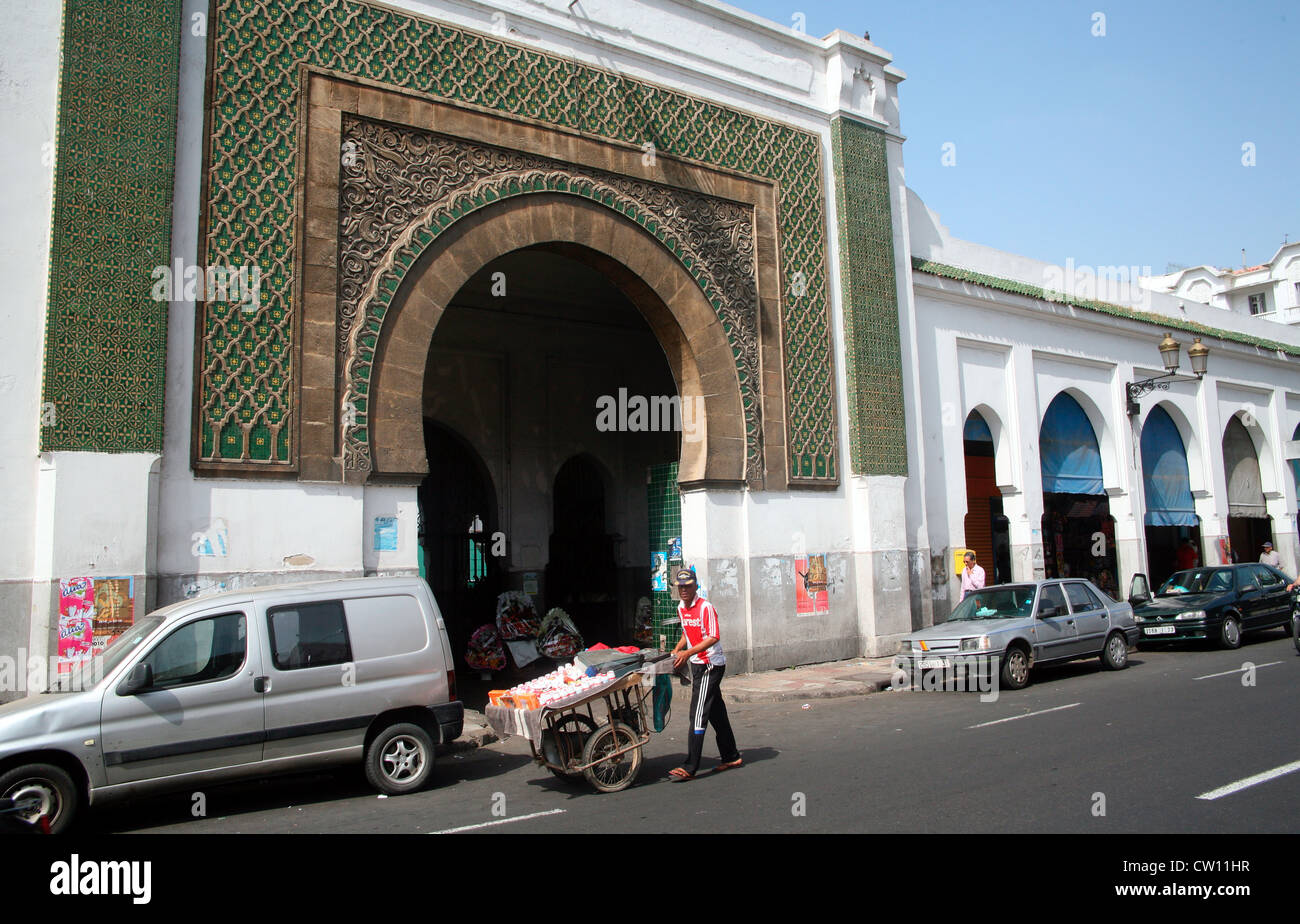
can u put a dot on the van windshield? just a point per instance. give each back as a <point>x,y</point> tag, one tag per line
<point>87,674</point>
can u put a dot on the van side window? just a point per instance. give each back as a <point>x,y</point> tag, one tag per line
<point>308,635</point>
<point>200,651</point>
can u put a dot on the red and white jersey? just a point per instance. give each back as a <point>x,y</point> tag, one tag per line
<point>700,621</point>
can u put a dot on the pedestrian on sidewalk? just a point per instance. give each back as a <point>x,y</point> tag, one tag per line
<point>972,576</point>
<point>1270,557</point>
<point>700,647</point>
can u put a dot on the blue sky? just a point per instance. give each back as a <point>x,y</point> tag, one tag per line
<point>1121,149</point>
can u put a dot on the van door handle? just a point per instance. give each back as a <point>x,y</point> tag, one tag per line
<point>261,684</point>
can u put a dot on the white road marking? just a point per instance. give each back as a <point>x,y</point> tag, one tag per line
<point>1237,671</point>
<point>1250,781</point>
<point>1025,716</point>
<point>502,821</point>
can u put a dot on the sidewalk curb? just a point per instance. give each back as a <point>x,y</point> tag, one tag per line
<point>836,689</point>
<point>475,734</point>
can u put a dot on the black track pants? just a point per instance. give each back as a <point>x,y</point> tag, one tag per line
<point>707,708</point>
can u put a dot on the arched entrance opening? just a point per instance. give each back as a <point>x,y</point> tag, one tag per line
<point>582,567</point>
<point>1173,530</point>
<point>1249,525</point>
<point>1078,530</point>
<point>556,379</point>
<point>457,522</point>
<point>986,527</point>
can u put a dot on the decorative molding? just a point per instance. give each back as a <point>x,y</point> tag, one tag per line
<point>245,373</point>
<point>957,274</point>
<point>401,186</point>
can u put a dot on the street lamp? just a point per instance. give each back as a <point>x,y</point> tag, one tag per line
<point>1198,353</point>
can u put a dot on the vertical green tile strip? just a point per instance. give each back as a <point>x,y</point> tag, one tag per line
<point>105,336</point>
<point>877,431</point>
<point>664,502</point>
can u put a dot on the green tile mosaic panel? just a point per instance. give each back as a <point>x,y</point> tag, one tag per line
<point>105,335</point>
<point>877,430</point>
<point>253,161</point>
<point>664,502</point>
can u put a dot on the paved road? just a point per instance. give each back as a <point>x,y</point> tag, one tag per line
<point>1142,744</point>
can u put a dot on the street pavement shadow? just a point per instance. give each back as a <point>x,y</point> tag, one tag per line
<point>245,797</point>
<point>654,770</point>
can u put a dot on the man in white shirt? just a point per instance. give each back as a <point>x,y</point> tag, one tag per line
<point>972,576</point>
<point>1270,557</point>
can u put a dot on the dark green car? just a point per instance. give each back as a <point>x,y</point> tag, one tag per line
<point>1215,603</point>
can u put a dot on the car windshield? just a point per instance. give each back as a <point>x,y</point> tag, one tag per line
<point>1197,581</point>
<point>86,674</point>
<point>1010,602</point>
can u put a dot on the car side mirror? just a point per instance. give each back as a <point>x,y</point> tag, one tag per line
<point>140,678</point>
<point>1047,612</point>
<point>1139,590</point>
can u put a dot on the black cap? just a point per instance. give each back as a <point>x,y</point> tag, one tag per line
<point>685,576</point>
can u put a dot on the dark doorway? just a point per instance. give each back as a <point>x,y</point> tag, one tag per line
<point>582,572</point>
<point>1249,525</point>
<point>1173,530</point>
<point>987,530</point>
<point>1078,530</point>
<point>458,520</point>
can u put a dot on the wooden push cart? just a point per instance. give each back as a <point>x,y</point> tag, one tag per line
<point>598,737</point>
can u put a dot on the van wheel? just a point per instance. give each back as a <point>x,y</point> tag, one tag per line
<point>1015,669</point>
<point>1115,655</point>
<point>48,789</point>
<point>400,759</point>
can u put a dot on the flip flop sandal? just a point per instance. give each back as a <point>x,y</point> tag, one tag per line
<point>678,775</point>
<point>730,765</point>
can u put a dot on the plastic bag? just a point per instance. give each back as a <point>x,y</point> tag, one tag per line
<point>643,630</point>
<point>558,637</point>
<point>516,616</point>
<point>485,651</point>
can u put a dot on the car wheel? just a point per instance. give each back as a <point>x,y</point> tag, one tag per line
<point>1230,632</point>
<point>400,759</point>
<point>1295,631</point>
<point>1015,669</point>
<point>50,791</point>
<point>1115,655</point>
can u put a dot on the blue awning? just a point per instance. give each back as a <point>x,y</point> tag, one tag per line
<point>1068,453</point>
<point>1164,473</point>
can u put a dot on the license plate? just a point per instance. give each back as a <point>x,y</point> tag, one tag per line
<point>928,663</point>
<point>1159,630</point>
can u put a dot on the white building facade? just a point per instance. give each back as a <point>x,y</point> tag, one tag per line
<point>681,197</point>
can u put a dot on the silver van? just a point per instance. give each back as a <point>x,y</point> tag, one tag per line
<point>243,683</point>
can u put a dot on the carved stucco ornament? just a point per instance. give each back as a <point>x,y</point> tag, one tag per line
<point>399,184</point>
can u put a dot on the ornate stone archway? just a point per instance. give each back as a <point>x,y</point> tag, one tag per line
<point>694,342</point>
<point>402,210</point>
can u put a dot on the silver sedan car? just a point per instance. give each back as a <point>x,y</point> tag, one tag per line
<point>1011,628</point>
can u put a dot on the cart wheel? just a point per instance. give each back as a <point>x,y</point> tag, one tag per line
<point>610,774</point>
<point>577,728</point>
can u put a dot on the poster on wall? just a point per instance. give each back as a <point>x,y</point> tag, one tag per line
<point>76,621</point>
<point>812,598</point>
<point>385,534</point>
<point>92,612</point>
<point>658,572</point>
<point>675,548</point>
